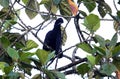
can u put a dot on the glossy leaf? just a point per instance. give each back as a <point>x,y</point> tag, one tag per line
<point>32,5</point>
<point>107,7</point>
<point>4,42</point>
<point>3,65</point>
<point>82,13</point>
<point>8,24</point>
<point>114,40</point>
<point>108,68</point>
<point>100,50</point>
<point>83,68</point>
<point>103,9</point>
<point>91,59</point>
<point>50,56</point>
<point>65,9</point>
<point>42,55</point>
<point>86,47</point>
<point>59,75</point>
<point>4,3</point>
<point>25,56</point>
<point>100,40</point>
<point>30,45</point>
<point>116,51</point>
<point>92,22</point>
<point>90,4</point>
<point>13,53</point>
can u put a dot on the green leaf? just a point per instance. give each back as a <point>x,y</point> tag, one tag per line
<point>49,73</point>
<point>8,23</point>
<point>92,22</point>
<point>32,5</point>
<point>54,9</point>
<point>13,53</point>
<point>13,75</point>
<point>42,55</point>
<point>82,13</point>
<point>44,2</point>
<point>36,62</point>
<point>59,74</point>
<point>56,2</point>
<point>101,11</point>
<point>118,14</point>
<point>37,76</point>
<point>13,36</point>
<point>4,3</point>
<point>116,51</point>
<point>114,40</point>
<point>100,40</point>
<point>25,56</point>
<point>91,59</point>
<point>108,53</point>
<point>90,4</point>
<point>25,1</point>
<point>4,42</point>
<point>83,69</point>
<point>86,47</point>
<point>8,69</point>
<point>108,68</point>
<point>100,50</point>
<point>65,9</point>
<point>30,45</point>
<point>50,56</point>
<point>3,65</point>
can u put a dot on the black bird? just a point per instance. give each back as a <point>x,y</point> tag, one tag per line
<point>53,39</point>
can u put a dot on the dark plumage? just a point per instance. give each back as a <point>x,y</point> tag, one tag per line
<point>53,39</point>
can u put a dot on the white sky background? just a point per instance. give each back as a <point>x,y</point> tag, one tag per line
<point>106,30</point>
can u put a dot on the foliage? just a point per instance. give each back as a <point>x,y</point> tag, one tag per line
<point>19,55</point>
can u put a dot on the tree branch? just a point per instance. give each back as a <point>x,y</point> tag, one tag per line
<point>72,64</point>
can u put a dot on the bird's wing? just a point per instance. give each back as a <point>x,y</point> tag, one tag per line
<point>58,42</point>
<point>47,40</point>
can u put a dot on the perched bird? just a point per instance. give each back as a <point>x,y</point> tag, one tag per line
<point>53,39</point>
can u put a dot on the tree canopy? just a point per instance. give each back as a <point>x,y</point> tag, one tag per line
<point>17,54</point>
